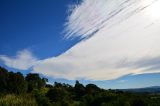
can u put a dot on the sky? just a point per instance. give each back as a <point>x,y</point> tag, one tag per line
<point>114,44</point>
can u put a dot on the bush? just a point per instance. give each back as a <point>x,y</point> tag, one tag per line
<point>41,99</point>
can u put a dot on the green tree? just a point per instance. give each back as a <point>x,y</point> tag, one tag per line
<point>16,83</point>
<point>35,81</point>
<point>3,79</point>
<point>79,90</point>
<point>56,94</point>
<point>91,88</point>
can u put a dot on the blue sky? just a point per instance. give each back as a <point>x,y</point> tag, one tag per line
<point>36,25</point>
<point>94,42</point>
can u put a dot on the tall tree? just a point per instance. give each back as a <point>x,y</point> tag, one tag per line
<point>16,83</point>
<point>79,90</point>
<point>3,79</point>
<point>35,81</point>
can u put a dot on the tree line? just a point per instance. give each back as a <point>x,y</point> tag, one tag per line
<point>11,82</point>
<point>33,86</point>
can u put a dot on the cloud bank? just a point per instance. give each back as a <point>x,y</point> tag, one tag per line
<point>123,38</point>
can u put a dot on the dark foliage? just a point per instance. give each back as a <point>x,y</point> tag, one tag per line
<point>12,82</point>
<point>16,83</point>
<point>35,81</point>
<point>3,79</point>
<point>79,90</point>
<point>61,94</point>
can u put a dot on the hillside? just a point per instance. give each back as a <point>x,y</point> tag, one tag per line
<point>32,90</point>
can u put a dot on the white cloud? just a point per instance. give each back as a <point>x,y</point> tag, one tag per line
<point>22,61</point>
<point>126,34</point>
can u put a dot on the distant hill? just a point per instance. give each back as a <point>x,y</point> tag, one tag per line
<point>152,89</point>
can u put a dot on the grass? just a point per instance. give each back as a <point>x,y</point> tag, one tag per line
<point>18,100</point>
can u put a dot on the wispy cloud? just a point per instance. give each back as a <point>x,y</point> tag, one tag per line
<point>124,32</point>
<point>126,41</point>
<point>88,17</point>
<point>146,64</point>
<point>23,60</point>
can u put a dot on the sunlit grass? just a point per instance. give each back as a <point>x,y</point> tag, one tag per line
<point>18,100</point>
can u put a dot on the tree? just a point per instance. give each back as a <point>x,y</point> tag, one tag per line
<point>79,90</point>
<point>91,88</point>
<point>3,79</point>
<point>56,94</point>
<point>57,85</point>
<point>35,81</point>
<point>16,83</point>
<point>49,86</point>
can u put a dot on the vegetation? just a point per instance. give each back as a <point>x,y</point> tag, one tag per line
<point>32,90</point>
<point>17,100</point>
